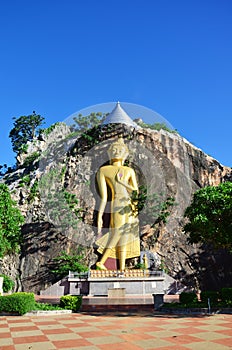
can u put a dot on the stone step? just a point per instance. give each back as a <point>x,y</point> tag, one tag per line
<point>134,308</point>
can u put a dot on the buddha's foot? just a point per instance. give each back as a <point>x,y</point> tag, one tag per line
<point>101,266</point>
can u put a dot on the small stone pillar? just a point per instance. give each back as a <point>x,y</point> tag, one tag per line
<point>158,300</point>
<point>1,285</point>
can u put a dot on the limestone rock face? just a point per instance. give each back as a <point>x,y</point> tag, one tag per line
<point>58,196</point>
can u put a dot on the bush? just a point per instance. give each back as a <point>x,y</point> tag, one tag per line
<point>226,295</point>
<point>8,284</point>
<point>69,262</point>
<point>46,307</point>
<point>187,298</point>
<point>213,296</point>
<point>71,302</point>
<point>30,159</point>
<point>17,302</point>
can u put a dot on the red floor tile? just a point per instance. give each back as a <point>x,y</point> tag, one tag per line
<point>57,331</point>
<point>4,325</point>
<point>110,327</point>
<point>24,328</point>
<point>135,337</point>
<point>170,347</point>
<point>17,320</point>
<point>75,343</point>
<point>31,339</point>
<point>226,342</point>
<point>148,329</point>
<point>225,331</point>
<point>94,334</point>
<point>4,335</point>
<point>118,346</point>
<point>187,330</point>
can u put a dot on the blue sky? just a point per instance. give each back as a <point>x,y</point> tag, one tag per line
<point>174,57</point>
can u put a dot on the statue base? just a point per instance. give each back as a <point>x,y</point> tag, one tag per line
<point>111,282</point>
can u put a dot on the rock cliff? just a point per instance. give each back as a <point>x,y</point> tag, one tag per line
<point>55,188</point>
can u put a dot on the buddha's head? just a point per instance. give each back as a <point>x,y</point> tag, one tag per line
<point>118,150</point>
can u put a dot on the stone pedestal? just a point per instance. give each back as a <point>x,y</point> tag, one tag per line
<point>131,285</point>
<point>116,293</point>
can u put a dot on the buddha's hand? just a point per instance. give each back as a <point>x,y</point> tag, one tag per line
<point>119,175</point>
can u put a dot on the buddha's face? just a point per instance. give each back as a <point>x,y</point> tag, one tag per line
<point>118,151</point>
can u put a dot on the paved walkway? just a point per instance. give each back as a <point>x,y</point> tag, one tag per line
<point>115,332</point>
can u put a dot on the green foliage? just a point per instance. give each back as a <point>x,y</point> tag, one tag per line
<point>8,283</point>
<point>226,295</point>
<point>25,129</point>
<point>46,307</point>
<point>69,262</point>
<point>25,180</point>
<point>186,298</point>
<point>72,201</point>
<point>217,299</point>
<point>34,191</point>
<point>156,126</point>
<point>213,296</point>
<point>17,302</point>
<point>10,223</point>
<point>71,302</point>
<point>30,159</point>
<point>83,123</point>
<point>152,208</point>
<point>62,206</point>
<point>48,130</point>
<point>210,216</point>
<point>140,266</point>
<point>91,137</point>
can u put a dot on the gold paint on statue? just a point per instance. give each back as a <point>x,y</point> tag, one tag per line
<point>122,240</point>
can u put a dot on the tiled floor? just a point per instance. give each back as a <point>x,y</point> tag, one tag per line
<point>115,332</point>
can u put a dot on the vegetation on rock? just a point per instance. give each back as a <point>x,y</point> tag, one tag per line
<point>25,129</point>
<point>11,220</point>
<point>69,262</point>
<point>8,283</point>
<point>155,126</point>
<point>83,123</point>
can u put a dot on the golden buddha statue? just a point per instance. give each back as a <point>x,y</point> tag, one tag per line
<point>122,241</point>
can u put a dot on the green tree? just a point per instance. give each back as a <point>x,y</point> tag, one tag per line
<point>11,220</point>
<point>25,129</point>
<point>83,123</point>
<point>210,216</point>
<point>69,262</point>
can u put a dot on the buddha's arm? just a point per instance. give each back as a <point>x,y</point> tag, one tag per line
<point>103,194</point>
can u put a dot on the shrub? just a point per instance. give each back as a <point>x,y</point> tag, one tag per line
<point>8,283</point>
<point>69,262</point>
<point>46,307</point>
<point>187,298</point>
<point>30,159</point>
<point>17,302</point>
<point>213,296</point>
<point>226,294</point>
<point>71,302</point>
